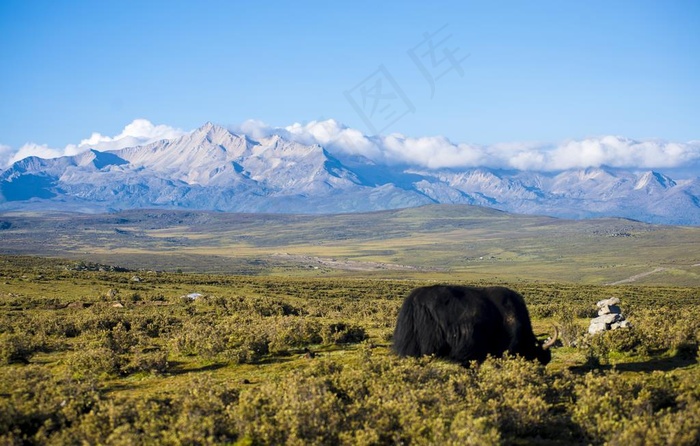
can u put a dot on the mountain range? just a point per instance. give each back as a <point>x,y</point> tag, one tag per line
<point>212,168</point>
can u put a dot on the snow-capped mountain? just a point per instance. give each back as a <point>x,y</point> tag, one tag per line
<point>212,168</point>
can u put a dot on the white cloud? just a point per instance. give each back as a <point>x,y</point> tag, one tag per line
<point>432,152</point>
<point>622,152</point>
<point>437,152</point>
<point>6,153</point>
<point>336,137</point>
<point>32,149</point>
<point>254,128</point>
<point>139,131</point>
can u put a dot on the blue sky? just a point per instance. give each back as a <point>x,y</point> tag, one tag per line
<point>527,71</point>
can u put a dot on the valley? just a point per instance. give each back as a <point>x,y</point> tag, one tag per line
<point>440,241</point>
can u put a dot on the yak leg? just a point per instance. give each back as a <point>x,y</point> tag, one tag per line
<point>473,342</point>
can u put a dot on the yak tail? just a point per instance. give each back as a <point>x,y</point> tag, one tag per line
<point>418,332</point>
<point>405,339</point>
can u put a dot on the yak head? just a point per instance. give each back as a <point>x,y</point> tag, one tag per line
<point>541,350</point>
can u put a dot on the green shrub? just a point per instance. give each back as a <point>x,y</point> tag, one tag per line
<point>39,404</point>
<point>122,421</point>
<point>248,349</point>
<point>268,306</point>
<point>341,333</point>
<point>662,429</point>
<point>288,332</point>
<point>468,430</point>
<point>15,348</point>
<point>101,317</point>
<point>570,330</point>
<point>93,362</point>
<point>654,410</point>
<point>53,325</point>
<point>623,340</point>
<point>147,360</point>
<point>520,389</point>
<point>299,411</point>
<point>542,311</point>
<point>200,337</point>
<point>120,339</point>
<point>391,400</point>
<point>602,405</point>
<point>664,328</point>
<point>202,413</point>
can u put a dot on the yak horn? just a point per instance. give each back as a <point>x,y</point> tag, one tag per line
<point>551,342</point>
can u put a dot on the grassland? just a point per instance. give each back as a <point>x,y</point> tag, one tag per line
<point>288,339</point>
<point>93,356</point>
<point>433,242</point>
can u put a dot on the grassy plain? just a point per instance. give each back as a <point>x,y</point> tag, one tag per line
<point>91,356</point>
<point>289,341</point>
<point>442,242</point>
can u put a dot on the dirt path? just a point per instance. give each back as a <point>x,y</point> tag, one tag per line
<point>350,265</point>
<point>638,276</point>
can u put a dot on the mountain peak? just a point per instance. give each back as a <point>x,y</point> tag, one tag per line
<point>210,127</point>
<point>213,168</point>
<point>212,133</point>
<point>654,179</point>
<point>99,159</point>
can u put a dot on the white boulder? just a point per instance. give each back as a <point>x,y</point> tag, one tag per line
<point>609,317</point>
<point>610,301</point>
<point>609,309</point>
<point>597,327</point>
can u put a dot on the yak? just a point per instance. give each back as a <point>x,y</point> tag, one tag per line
<point>464,324</point>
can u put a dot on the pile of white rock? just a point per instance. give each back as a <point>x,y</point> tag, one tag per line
<point>609,317</point>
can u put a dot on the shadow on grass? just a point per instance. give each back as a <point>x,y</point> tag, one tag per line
<point>680,359</point>
<point>279,358</point>
<point>180,367</point>
<point>677,361</point>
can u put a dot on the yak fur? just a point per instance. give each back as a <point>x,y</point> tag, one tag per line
<point>466,324</point>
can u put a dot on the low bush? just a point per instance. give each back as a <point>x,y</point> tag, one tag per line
<point>571,332</point>
<point>199,336</point>
<point>341,333</point>
<point>93,362</point>
<point>151,360</point>
<point>287,332</point>
<point>624,340</point>
<point>15,348</point>
<point>38,405</point>
<point>652,411</point>
<point>75,388</point>
<point>664,328</point>
<point>264,415</point>
<point>250,351</point>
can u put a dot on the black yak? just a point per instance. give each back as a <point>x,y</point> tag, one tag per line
<point>467,323</point>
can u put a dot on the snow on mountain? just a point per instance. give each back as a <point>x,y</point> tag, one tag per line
<point>212,168</point>
<point>654,181</point>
